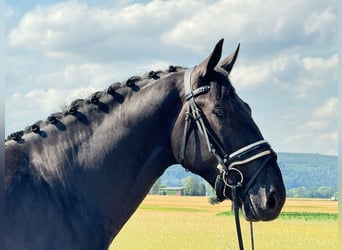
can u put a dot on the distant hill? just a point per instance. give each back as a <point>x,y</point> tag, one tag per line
<point>305,171</point>
<point>308,170</point>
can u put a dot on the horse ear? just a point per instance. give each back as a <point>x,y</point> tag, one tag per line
<point>208,65</point>
<point>228,63</point>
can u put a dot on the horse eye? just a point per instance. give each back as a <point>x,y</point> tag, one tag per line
<point>219,112</point>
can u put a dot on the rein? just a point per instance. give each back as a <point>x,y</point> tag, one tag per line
<point>229,176</point>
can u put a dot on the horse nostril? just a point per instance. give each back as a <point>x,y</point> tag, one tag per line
<point>271,201</point>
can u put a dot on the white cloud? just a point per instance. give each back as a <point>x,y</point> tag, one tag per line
<point>321,67</point>
<point>318,73</point>
<point>267,25</point>
<point>327,111</point>
<point>321,23</point>
<point>78,29</point>
<point>9,11</point>
<point>51,90</point>
<point>303,77</point>
<point>319,133</point>
<point>74,75</point>
<point>40,101</point>
<point>154,65</point>
<point>74,28</point>
<point>324,143</point>
<point>37,104</point>
<point>287,64</point>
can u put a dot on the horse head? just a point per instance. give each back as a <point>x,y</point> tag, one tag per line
<point>216,137</point>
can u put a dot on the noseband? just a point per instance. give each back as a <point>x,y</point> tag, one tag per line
<point>228,176</point>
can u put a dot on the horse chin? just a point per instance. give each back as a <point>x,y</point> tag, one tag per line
<point>248,211</point>
<point>253,211</point>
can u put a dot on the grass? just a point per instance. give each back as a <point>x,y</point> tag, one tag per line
<point>171,209</point>
<point>170,222</point>
<point>308,216</point>
<point>297,216</point>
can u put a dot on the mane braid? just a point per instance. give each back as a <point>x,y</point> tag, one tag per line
<point>118,91</point>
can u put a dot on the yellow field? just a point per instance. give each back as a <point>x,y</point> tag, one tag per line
<point>170,222</point>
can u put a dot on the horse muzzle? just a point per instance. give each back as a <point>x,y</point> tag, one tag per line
<point>260,197</point>
<point>263,205</point>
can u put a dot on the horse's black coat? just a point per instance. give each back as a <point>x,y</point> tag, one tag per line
<point>72,181</point>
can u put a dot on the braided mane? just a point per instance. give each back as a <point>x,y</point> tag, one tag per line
<point>117,91</point>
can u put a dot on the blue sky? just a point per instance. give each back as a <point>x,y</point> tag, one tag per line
<point>286,70</point>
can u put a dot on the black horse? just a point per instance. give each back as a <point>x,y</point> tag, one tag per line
<point>73,180</point>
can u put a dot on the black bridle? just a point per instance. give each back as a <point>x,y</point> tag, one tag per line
<point>229,176</point>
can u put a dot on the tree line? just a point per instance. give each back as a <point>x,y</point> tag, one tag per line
<point>305,175</point>
<point>318,192</point>
<point>192,187</point>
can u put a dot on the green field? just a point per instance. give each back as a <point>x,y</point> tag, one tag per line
<point>171,222</point>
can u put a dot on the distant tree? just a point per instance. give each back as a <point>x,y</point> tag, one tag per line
<point>202,190</point>
<point>325,192</point>
<point>156,186</point>
<point>316,192</point>
<point>190,186</point>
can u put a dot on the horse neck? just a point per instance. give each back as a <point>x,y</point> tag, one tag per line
<point>117,160</point>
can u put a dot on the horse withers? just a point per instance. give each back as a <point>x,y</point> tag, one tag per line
<point>73,180</point>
